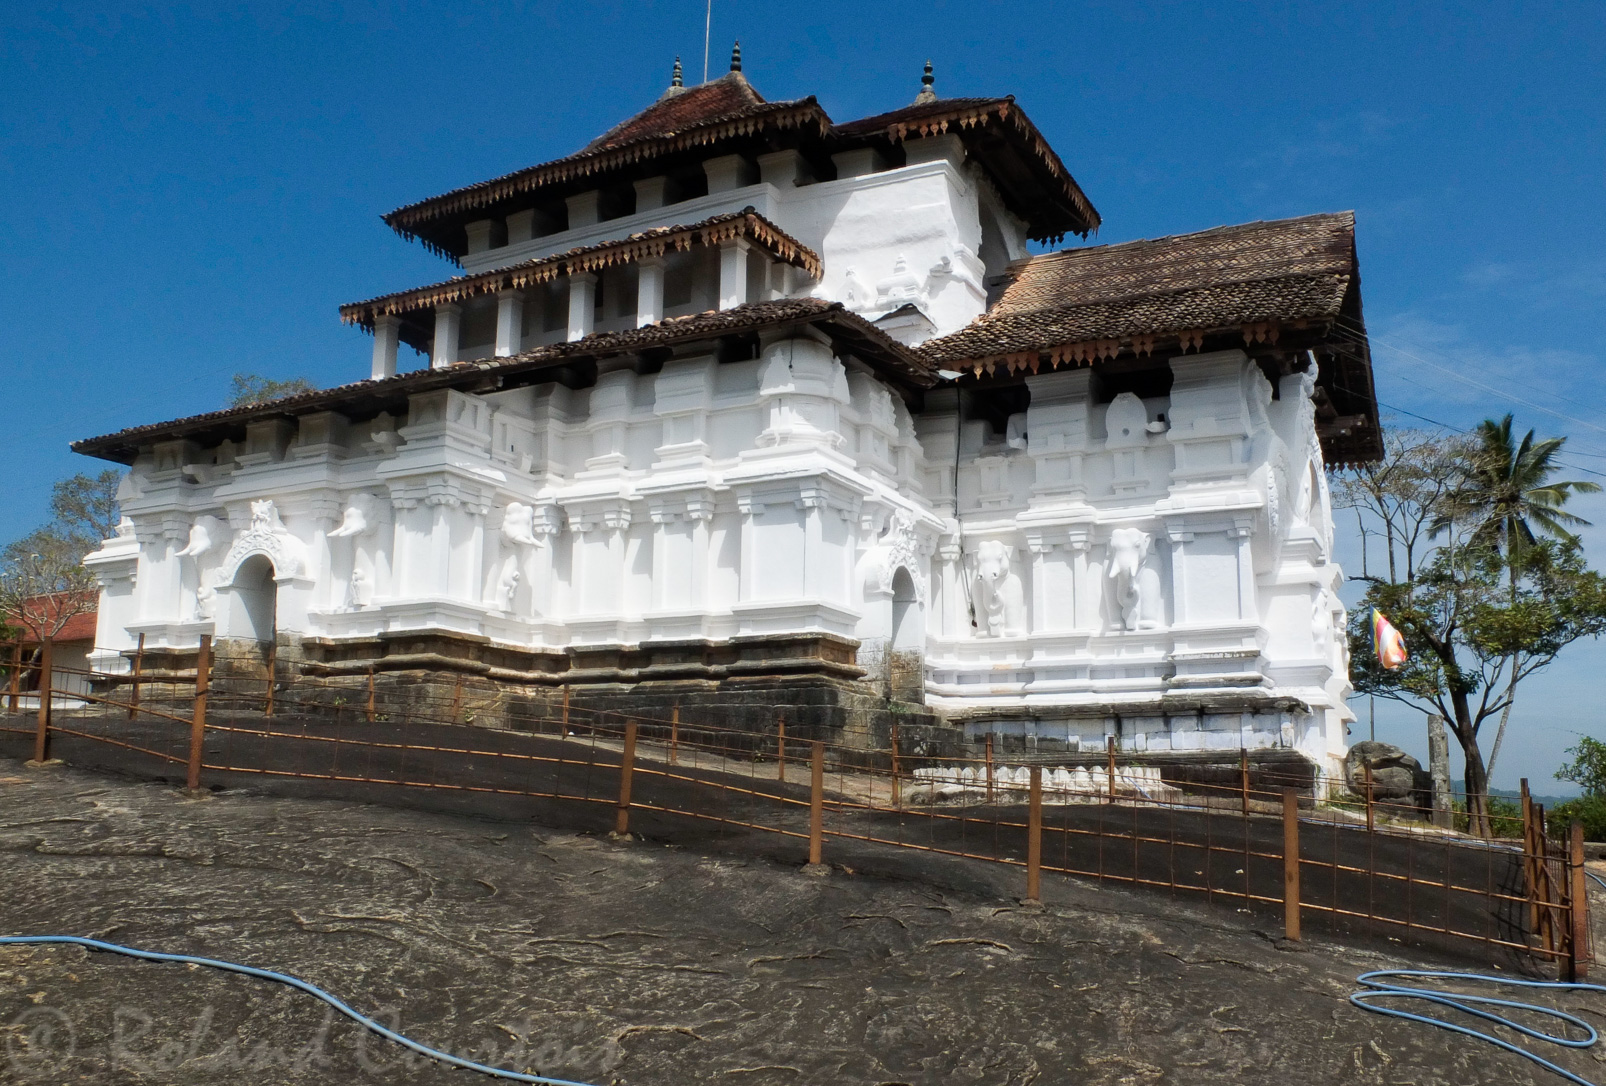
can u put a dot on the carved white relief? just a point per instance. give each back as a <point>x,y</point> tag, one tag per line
<point>898,548</point>
<point>1134,579</point>
<point>206,536</point>
<point>1126,422</point>
<point>520,536</point>
<point>358,523</point>
<point>125,528</point>
<point>266,536</point>
<point>997,593</point>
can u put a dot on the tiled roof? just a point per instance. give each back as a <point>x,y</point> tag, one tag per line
<point>746,223</point>
<point>1282,271</point>
<point>996,130</point>
<point>366,398</point>
<point>701,123</point>
<point>728,96</point>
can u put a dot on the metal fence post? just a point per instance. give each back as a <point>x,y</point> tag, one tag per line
<point>897,772</point>
<point>457,699</point>
<point>989,767</point>
<point>1034,836</point>
<point>16,674</point>
<point>1291,863</point>
<point>139,671</point>
<point>565,710</point>
<point>41,740</point>
<point>674,735</point>
<point>1371,819</point>
<point>1109,763</point>
<point>273,678</point>
<point>1243,778</point>
<point>1530,888</point>
<point>203,675</point>
<point>816,801</point>
<point>1578,943</point>
<point>780,747</point>
<point>627,764</point>
<point>371,707</point>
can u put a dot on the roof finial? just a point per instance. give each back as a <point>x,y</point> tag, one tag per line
<point>675,80</point>
<point>736,56</point>
<point>927,94</point>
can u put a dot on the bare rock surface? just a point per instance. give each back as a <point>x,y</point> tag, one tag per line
<point>635,962</point>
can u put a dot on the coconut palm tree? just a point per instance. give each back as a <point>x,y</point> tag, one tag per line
<point>1507,499</point>
<point>1508,494</point>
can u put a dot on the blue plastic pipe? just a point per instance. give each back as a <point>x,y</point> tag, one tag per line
<point>1378,988</point>
<point>294,982</point>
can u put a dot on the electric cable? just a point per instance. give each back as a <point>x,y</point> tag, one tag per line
<point>1378,988</point>
<point>294,982</point>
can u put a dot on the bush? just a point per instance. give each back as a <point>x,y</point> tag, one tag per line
<point>1590,810</point>
<point>1505,816</point>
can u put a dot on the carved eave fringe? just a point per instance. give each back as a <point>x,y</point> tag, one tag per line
<point>588,163</point>
<point>747,224</point>
<point>1087,352</point>
<point>971,116</point>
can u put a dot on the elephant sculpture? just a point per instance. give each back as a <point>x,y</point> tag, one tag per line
<point>996,593</point>
<point>1136,583</point>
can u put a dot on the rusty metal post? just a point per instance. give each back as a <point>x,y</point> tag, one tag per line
<point>989,767</point>
<point>627,765</point>
<point>203,676</point>
<point>1109,763</point>
<point>816,801</point>
<point>897,787</point>
<point>457,699</point>
<point>41,739</point>
<point>1578,942</point>
<point>674,735</point>
<point>780,748</point>
<point>139,671</point>
<point>1530,888</point>
<point>1034,836</point>
<point>1291,863</point>
<point>1243,778</point>
<point>1371,818</point>
<point>273,676</point>
<point>565,710</point>
<point>371,707</point>
<point>16,675</point>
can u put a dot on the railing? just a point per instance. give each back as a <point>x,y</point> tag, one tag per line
<point>1244,838</point>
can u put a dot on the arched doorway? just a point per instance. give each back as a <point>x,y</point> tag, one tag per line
<point>252,612</point>
<point>907,664</point>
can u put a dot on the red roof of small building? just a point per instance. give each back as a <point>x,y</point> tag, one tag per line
<point>46,610</point>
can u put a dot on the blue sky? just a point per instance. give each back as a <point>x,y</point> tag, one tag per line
<point>187,192</point>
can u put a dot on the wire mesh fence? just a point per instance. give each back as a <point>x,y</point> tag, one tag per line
<point>1254,837</point>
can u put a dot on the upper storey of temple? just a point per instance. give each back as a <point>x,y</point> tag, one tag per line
<point>908,215</point>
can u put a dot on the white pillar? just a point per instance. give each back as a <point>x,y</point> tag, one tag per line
<point>387,334</point>
<point>520,226</point>
<point>448,322</point>
<point>783,169</point>
<point>725,173</point>
<point>584,209</point>
<point>650,193</point>
<point>509,322</point>
<point>582,304</point>
<point>733,272</point>
<point>649,291</point>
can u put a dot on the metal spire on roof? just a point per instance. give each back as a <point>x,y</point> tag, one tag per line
<point>736,57</point>
<point>927,94</point>
<point>677,83</point>
<point>675,80</point>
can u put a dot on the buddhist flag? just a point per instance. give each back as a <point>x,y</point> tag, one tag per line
<point>1387,641</point>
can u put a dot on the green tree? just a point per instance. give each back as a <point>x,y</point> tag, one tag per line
<point>1507,499</point>
<point>1588,767</point>
<point>251,388</point>
<point>1478,621</point>
<point>43,582</point>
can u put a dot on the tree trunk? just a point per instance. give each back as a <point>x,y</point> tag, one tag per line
<point>1477,777</point>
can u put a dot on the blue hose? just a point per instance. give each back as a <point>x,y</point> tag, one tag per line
<point>1378,988</point>
<point>1596,877</point>
<point>294,982</point>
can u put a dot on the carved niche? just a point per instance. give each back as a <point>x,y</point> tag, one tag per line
<point>1134,580</point>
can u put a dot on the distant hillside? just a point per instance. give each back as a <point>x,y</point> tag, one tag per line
<point>1511,793</point>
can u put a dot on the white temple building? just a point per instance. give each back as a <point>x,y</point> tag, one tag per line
<point>740,404</point>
